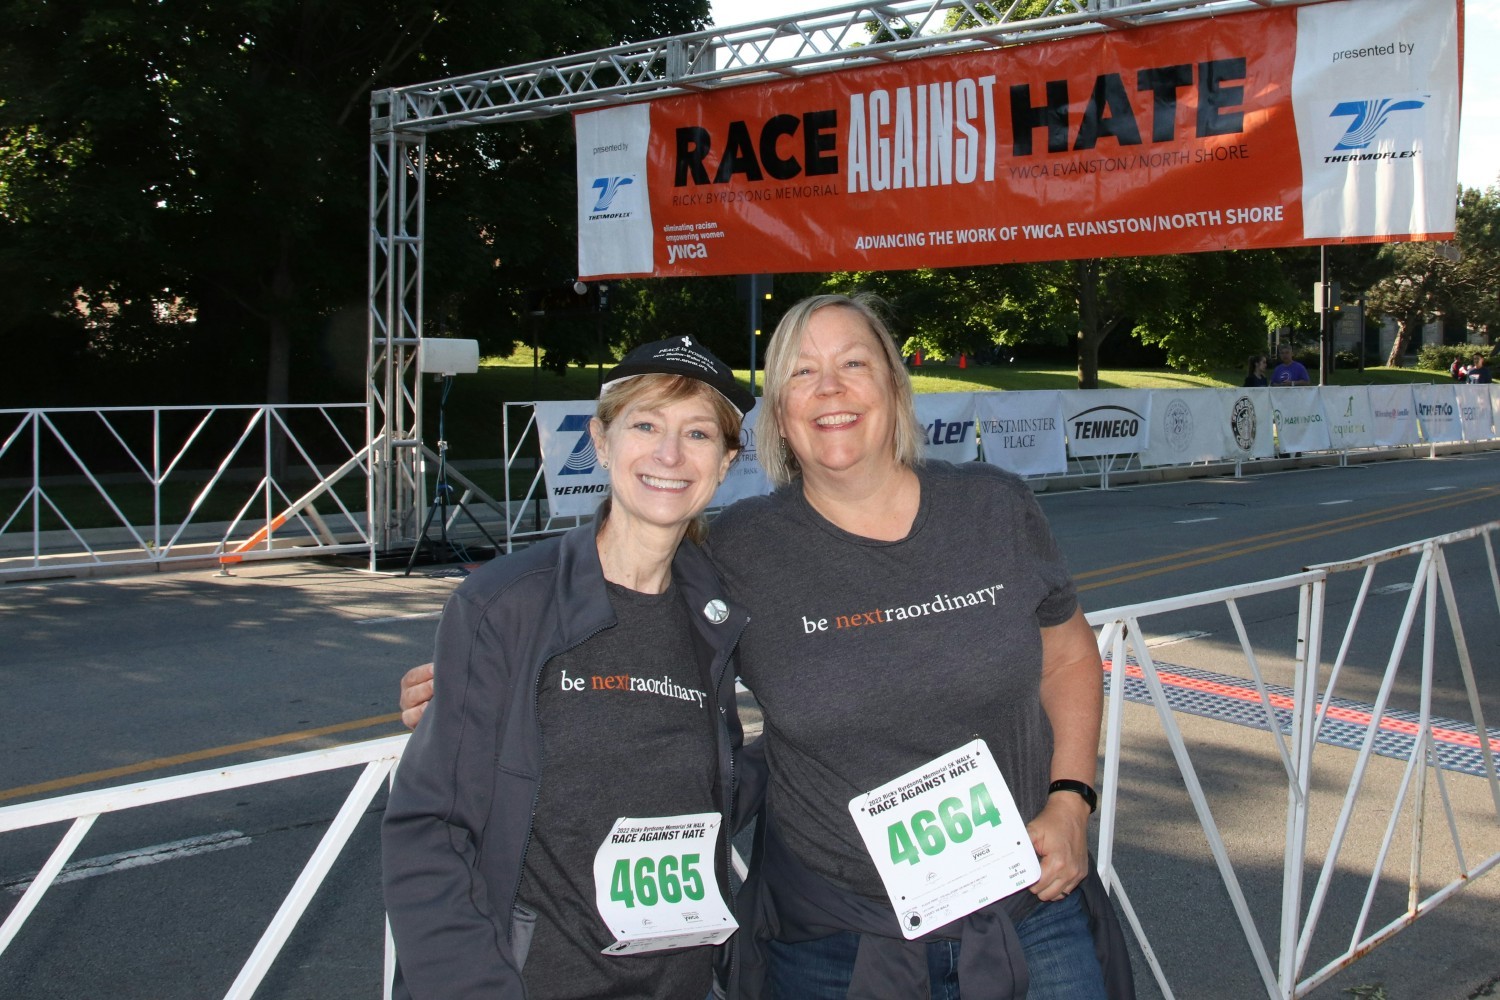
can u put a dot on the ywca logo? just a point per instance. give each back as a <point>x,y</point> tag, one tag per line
<point>582,459</point>
<point>607,187</point>
<point>1368,117</point>
<point>686,251</point>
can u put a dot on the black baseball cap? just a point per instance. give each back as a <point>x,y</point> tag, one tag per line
<point>683,356</point>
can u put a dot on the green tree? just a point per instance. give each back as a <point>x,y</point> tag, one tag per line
<point>967,310</point>
<point>188,183</point>
<point>1476,279</point>
<point>1209,310</point>
<point>1425,280</point>
<point>1413,292</point>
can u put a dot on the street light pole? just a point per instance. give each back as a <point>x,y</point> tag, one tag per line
<point>1325,332</point>
<point>581,287</point>
<point>758,288</point>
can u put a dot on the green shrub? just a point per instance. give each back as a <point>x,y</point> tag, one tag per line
<point>1440,357</point>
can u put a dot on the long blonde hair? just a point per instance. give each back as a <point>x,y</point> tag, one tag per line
<point>781,359</point>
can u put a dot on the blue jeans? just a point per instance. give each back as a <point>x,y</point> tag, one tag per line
<point>1054,937</point>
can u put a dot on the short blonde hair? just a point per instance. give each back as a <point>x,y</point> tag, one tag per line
<point>781,359</point>
<point>663,390</point>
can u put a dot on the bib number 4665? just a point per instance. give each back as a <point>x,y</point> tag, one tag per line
<point>932,831</point>
<point>649,880</point>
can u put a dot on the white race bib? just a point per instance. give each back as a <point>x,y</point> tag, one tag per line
<point>946,838</point>
<point>654,884</point>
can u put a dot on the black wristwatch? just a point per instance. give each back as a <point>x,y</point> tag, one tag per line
<point>1070,785</point>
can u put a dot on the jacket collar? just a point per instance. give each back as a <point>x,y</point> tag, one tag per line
<point>580,587</point>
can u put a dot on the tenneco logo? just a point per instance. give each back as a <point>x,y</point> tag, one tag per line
<point>1104,422</point>
<point>608,187</point>
<point>1367,118</point>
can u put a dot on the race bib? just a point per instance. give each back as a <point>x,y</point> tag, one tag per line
<point>946,838</point>
<point>654,884</point>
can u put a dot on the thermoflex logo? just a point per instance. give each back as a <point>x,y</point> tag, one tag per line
<point>1368,117</point>
<point>581,460</point>
<point>607,187</point>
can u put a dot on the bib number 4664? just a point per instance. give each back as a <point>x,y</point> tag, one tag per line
<point>649,880</point>
<point>931,831</point>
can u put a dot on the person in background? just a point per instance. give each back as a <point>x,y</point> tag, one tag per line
<point>1289,371</point>
<point>1255,377</point>
<point>584,680</point>
<point>1479,372</point>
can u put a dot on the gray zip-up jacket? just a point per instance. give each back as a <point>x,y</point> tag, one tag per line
<point>458,822</point>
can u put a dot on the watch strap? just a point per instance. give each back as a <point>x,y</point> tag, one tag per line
<point>1083,789</point>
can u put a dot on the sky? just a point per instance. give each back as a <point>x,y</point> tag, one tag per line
<point>1479,128</point>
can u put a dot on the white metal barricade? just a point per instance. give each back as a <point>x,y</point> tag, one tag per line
<point>1295,721</point>
<point>124,486</point>
<point>1121,642</point>
<point>378,758</point>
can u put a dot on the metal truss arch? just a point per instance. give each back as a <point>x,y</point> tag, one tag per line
<point>828,40</point>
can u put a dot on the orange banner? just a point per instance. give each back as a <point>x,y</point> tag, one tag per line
<point>1176,138</point>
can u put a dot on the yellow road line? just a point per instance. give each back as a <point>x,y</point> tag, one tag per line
<point>140,767</point>
<point>1219,551</point>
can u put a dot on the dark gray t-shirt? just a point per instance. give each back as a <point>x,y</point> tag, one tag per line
<point>627,702</point>
<point>871,658</point>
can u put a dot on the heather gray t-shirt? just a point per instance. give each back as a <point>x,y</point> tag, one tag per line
<point>871,658</point>
<point>625,705</point>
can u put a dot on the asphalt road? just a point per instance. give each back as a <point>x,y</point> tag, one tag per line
<point>111,681</point>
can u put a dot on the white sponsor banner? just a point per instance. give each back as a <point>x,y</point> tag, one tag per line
<point>575,483</point>
<point>1186,427</point>
<point>1475,412</point>
<point>1022,431</point>
<point>614,210</point>
<point>1347,408</point>
<point>746,478</point>
<point>1300,424</point>
<point>1246,417</point>
<point>1437,413</point>
<point>1393,415</point>
<point>948,425</point>
<point>1106,421</point>
<point>1375,93</point>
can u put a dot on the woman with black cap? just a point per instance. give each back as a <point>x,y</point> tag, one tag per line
<point>559,824</point>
